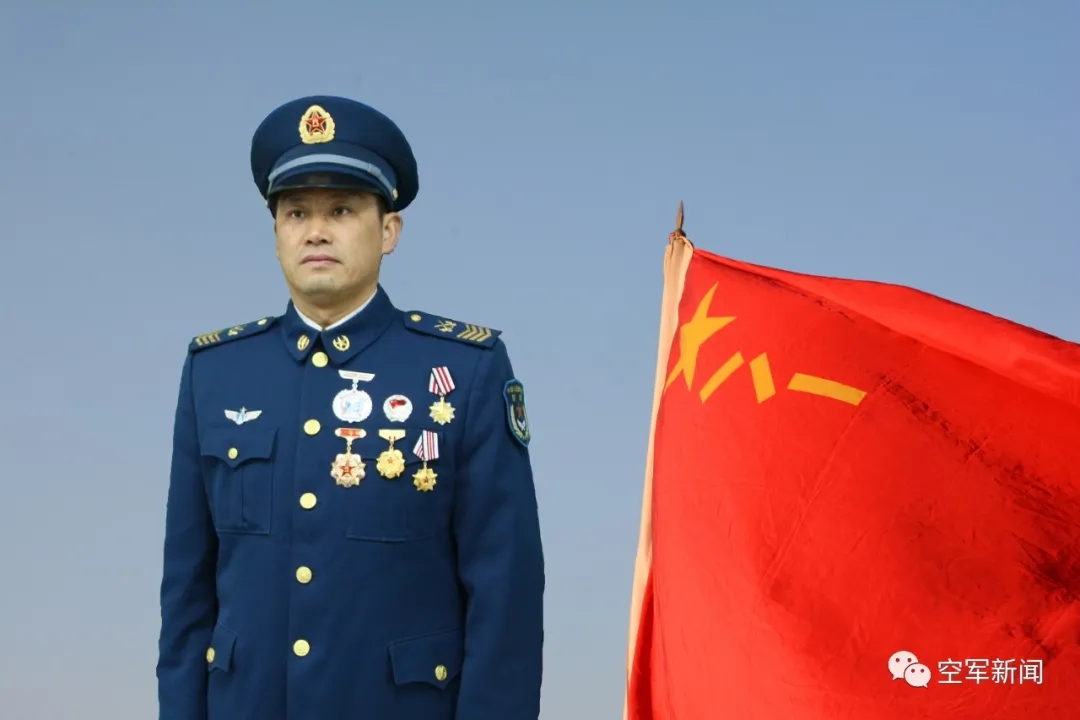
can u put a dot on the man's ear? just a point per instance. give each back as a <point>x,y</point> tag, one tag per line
<point>277,245</point>
<point>391,230</point>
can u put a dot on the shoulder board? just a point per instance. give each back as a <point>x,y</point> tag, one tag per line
<point>476,335</point>
<point>219,337</point>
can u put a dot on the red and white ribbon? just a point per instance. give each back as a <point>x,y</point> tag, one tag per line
<point>427,446</point>
<point>441,383</point>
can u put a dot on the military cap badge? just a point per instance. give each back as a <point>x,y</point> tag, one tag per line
<point>316,126</point>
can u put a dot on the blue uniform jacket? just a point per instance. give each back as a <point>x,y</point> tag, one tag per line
<point>291,593</point>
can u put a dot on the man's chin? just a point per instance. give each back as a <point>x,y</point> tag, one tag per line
<point>319,287</point>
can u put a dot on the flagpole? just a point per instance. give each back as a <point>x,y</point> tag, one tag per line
<point>676,262</point>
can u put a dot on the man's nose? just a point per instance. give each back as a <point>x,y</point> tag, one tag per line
<point>316,233</point>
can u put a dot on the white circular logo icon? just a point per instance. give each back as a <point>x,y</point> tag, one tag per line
<point>397,408</point>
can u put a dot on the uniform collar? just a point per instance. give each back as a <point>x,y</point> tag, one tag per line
<point>314,325</point>
<point>343,340</point>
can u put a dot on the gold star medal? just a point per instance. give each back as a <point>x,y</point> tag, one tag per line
<point>427,449</point>
<point>441,384</point>
<point>391,462</point>
<point>348,467</point>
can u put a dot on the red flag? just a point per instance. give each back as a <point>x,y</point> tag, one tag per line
<point>862,502</point>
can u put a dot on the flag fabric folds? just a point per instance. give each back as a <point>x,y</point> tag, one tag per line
<point>862,502</point>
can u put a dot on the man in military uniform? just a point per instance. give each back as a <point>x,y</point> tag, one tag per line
<point>351,527</point>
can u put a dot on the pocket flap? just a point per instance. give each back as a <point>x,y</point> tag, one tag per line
<point>435,659</point>
<point>219,654</point>
<point>236,446</point>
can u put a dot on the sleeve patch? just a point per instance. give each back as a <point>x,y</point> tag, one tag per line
<point>206,340</point>
<point>516,415</point>
<point>451,329</point>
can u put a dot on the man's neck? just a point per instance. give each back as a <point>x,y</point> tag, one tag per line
<point>328,315</point>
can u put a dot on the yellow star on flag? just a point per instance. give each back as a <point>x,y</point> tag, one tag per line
<point>692,335</point>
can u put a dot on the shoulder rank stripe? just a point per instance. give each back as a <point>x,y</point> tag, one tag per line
<point>467,333</point>
<point>201,342</point>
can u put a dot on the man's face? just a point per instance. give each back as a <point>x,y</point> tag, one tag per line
<point>330,243</point>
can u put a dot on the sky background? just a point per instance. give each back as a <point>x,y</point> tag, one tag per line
<point>924,143</point>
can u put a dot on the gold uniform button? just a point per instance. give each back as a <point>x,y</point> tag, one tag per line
<point>307,501</point>
<point>233,452</point>
<point>440,672</point>
<point>415,317</point>
<point>319,359</point>
<point>210,655</point>
<point>303,575</point>
<point>312,426</point>
<point>301,648</point>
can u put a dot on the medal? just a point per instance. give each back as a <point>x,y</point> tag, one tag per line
<point>441,384</point>
<point>391,462</point>
<point>397,408</point>
<point>353,405</point>
<point>427,448</point>
<point>348,467</point>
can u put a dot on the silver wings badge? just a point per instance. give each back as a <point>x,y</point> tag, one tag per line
<point>242,415</point>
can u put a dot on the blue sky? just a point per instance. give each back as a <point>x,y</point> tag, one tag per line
<point>929,144</point>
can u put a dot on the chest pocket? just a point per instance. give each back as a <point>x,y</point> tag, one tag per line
<point>404,507</point>
<point>239,466</point>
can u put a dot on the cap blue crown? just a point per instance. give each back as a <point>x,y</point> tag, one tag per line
<point>302,142</point>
